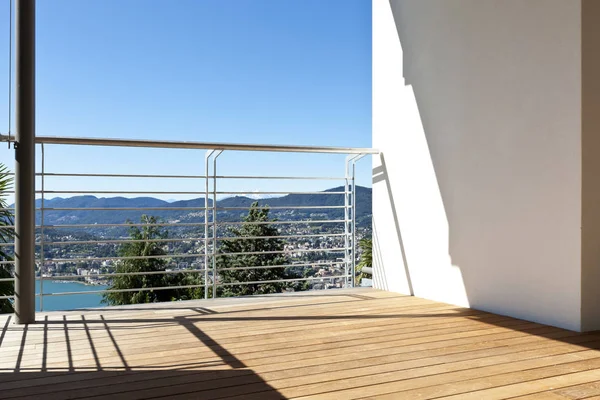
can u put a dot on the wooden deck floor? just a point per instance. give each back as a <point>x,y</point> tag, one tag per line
<point>338,344</point>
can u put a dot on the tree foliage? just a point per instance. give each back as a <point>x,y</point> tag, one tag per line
<point>6,236</point>
<point>366,259</point>
<point>255,235</point>
<point>144,244</point>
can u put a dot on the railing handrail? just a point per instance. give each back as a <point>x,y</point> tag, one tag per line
<point>170,144</point>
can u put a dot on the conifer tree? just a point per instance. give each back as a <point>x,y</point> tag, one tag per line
<point>257,236</point>
<point>144,244</point>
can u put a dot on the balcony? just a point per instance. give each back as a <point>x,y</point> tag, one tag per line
<point>487,197</point>
<point>348,343</point>
<point>344,342</point>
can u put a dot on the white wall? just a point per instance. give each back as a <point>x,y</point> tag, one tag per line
<point>477,109</point>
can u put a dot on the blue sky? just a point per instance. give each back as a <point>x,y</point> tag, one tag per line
<point>242,71</point>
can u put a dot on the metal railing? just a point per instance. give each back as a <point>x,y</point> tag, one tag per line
<point>206,228</point>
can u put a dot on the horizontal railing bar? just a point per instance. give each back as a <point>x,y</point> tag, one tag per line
<point>6,297</point>
<point>165,144</point>
<point>282,193</point>
<point>112,192</point>
<point>124,257</point>
<point>280,237</point>
<point>179,271</point>
<point>281,280</point>
<point>281,251</point>
<point>164,192</point>
<point>9,244</point>
<point>75,226</point>
<point>116,241</point>
<point>283,207</point>
<point>121,290</point>
<point>314,178</point>
<point>6,262</point>
<point>189,286</point>
<point>185,271</point>
<point>203,208</point>
<point>179,193</point>
<point>200,255</point>
<point>49,174</point>
<point>324,221</point>
<point>280,266</point>
<point>108,241</point>
<point>7,279</point>
<point>121,208</point>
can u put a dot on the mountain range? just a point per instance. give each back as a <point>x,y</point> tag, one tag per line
<point>172,212</point>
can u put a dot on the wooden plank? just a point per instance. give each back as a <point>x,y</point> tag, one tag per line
<point>317,340</point>
<point>563,379</point>
<point>200,350</point>
<point>341,344</point>
<point>410,385</point>
<point>275,331</point>
<point>247,325</point>
<point>506,382</point>
<point>580,391</point>
<point>390,348</point>
<point>541,396</point>
<point>303,377</point>
<point>318,384</point>
<point>421,358</point>
<point>216,321</point>
<point>234,338</point>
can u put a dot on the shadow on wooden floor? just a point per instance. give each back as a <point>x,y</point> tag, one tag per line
<point>226,377</point>
<point>192,384</point>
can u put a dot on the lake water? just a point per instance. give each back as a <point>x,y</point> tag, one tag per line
<point>68,302</point>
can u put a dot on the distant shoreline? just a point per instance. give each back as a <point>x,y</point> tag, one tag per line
<point>75,281</point>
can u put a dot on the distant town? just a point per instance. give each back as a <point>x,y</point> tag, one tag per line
<point>314,249</point>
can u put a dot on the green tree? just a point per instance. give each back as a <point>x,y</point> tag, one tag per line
<point>254,235</point>
<point>6,236</point>
<point>145,244</point>
<point>366,259</point>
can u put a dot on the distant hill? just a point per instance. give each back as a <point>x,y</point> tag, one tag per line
<point>173,214</point>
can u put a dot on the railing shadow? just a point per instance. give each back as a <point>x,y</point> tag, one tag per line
<point>205,377</point>
<point>380,174</point>
<point>190,384</point>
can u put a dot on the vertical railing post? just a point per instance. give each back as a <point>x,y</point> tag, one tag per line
<point>353,272</point>
<point>353,160</point>
<point>25,163</point>
<point>206,240</point>
<point>215,247</point>
<point>347,223</point>
<point>42,238</point>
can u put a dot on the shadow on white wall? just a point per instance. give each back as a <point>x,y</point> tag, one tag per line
<point>410,225</point>
<point>478,199</point>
